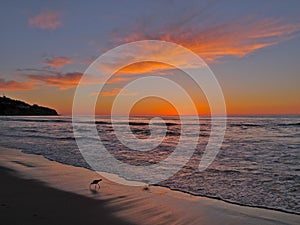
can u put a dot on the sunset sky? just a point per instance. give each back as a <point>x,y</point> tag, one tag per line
<point>252,47</point>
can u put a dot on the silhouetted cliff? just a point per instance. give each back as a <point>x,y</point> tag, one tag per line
<point>11,107</point>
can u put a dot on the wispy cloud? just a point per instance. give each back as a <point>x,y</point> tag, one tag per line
<point>62,80</point>
<point>58,61</point>
<point>49,20</point>
<point>148,58</point>
<point>118,79</point>
<point>145,68</point>
<point>236,38</point>
<point>212,41</point>
<point>35,78</point>
<point>16,85</point>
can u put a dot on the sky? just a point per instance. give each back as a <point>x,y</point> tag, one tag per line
<point>252,48</point>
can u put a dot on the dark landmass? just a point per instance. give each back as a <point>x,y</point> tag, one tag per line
<point>11,107</point>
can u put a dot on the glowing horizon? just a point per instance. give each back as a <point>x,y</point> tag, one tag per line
<point>253,57</point>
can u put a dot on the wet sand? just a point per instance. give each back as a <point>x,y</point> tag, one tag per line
<point>35,190</point>
<point>32,202</point>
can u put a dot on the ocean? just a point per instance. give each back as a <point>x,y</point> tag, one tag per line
<point>258,164</point>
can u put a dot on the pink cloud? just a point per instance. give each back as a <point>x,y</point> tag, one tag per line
<point>16,85</point>
<point>58,62</point>
<point>45,20</point>
<point>62,80</point>
<point>237,38</point>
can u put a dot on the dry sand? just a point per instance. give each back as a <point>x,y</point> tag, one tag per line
<point>35,190</point>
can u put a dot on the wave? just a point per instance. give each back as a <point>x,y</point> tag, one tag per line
<point>38,137</point>
<point>262,206</point>
<point>289,124</point>
<point>35,120</point>
<point>246,125</point>
<point>264,125</point>
<point>102,122</point>
<point>135,123</point>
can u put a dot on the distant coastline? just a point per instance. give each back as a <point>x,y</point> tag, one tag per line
<point>12,107</point>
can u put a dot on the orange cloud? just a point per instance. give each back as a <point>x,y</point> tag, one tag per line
<point>15,85</point>
<point>57,79</point>
<point>118,79</point>
<point>63,81</point>
<point>239,38</point>
<point>58,62</point>
<point>145,67</point>
<point>175,55</point>
<point>230,39</point>
<point>45,20</point>
<point>235,38</point>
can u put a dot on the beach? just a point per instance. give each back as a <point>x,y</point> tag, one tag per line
<point>150,113</point>
<point>35,190</point>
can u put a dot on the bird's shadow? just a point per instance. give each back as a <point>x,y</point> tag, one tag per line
<point>95,189</point>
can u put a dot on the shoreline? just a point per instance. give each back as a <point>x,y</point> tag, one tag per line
<point>230,202</point>
<point>133,203</point>
<point>174,189</point>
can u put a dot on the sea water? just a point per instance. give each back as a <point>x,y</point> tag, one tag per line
<point>257,165</point>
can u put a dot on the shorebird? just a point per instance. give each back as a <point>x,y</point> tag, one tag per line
<point>96,183</point>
